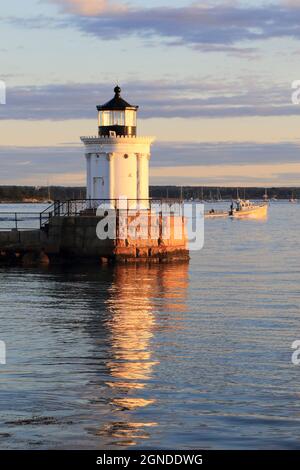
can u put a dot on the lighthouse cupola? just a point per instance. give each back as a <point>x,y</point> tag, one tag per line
<point>117,116</point>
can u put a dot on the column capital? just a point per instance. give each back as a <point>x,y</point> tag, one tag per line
<point>109,156</point>
<point>141,155</point>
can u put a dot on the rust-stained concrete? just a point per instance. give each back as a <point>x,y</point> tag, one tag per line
<point>74,238</point>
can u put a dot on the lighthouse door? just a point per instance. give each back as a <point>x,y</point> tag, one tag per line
<point>98,187</point>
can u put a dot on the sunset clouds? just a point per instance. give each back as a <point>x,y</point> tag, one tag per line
<point>188,99</point>
<point>88,7</point>
<point>223,27</point>
<point>213,81</point>
<point>204,164</point>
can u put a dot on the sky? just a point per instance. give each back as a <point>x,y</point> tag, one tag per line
<point>213,80</point>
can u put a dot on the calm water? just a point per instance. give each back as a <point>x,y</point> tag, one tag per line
<point>28,216</point>
<point>183,356</point>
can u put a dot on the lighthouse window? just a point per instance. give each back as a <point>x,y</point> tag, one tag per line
<point>106,118</point>
<point>119,118</point>
<point>112,118</point>
<point>130,118</point>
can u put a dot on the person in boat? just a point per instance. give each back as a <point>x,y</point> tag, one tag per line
<point>212,211</point>
<point>239,205</point>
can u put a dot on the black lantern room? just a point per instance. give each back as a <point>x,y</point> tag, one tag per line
<point>117,116</point>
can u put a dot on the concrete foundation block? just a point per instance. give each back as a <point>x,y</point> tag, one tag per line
<point>68,237</point>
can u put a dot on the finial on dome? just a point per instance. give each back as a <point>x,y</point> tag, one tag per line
<point>117,90</point>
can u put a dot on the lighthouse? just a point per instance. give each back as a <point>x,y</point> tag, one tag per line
<point>101,228</point>
<point>117,160</point>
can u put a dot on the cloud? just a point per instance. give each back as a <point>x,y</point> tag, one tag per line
<point>224,153</point>
<point>230,175</point>
<point>291,3</point>
<point>88,7</point>
<point>197,26</point>
<point>208,98</point>
<point>204,163</point>
<point>211,28</point>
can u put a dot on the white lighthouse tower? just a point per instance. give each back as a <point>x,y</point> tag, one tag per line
<point>117,160</point>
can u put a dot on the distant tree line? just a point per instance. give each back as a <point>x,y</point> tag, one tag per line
<point>40,194</point>
<point>218,193</point>
<point>63,193</point>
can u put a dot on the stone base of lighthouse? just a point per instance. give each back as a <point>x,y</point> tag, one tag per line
<point>76,239</point>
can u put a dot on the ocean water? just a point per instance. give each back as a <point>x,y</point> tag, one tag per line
<point>182,356</point>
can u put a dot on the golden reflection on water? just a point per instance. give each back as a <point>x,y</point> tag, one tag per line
<point>133,305</point>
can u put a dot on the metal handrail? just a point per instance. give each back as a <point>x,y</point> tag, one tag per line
<point>76,207</point>
<point>19,220</point>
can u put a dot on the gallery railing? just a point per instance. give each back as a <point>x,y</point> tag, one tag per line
<point>76,207</point>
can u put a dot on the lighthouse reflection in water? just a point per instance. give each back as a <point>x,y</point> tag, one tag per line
<point>133,329</point>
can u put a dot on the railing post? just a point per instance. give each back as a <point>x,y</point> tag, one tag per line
<point>117,224</point>
<point>127,218</point>
<point>16,220</point>
<point>57,208</point>
<point>160,224</point>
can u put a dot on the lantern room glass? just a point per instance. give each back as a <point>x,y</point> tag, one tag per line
<point>130,118</point>
<point>117,118</point>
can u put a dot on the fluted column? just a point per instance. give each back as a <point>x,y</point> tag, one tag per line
<point>88,176</point>
<point>143,177</point>
<point>139,175</point>
<point>110,158</point>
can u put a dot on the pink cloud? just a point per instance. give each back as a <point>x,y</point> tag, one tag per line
<point>88,7</point>
<point>291,3</point>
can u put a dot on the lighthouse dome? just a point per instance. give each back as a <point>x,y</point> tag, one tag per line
<point>118,116</point>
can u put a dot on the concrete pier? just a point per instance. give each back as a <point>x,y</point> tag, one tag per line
<point>74,239</point>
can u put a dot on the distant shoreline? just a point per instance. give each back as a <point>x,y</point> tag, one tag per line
<point>43,194</point>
